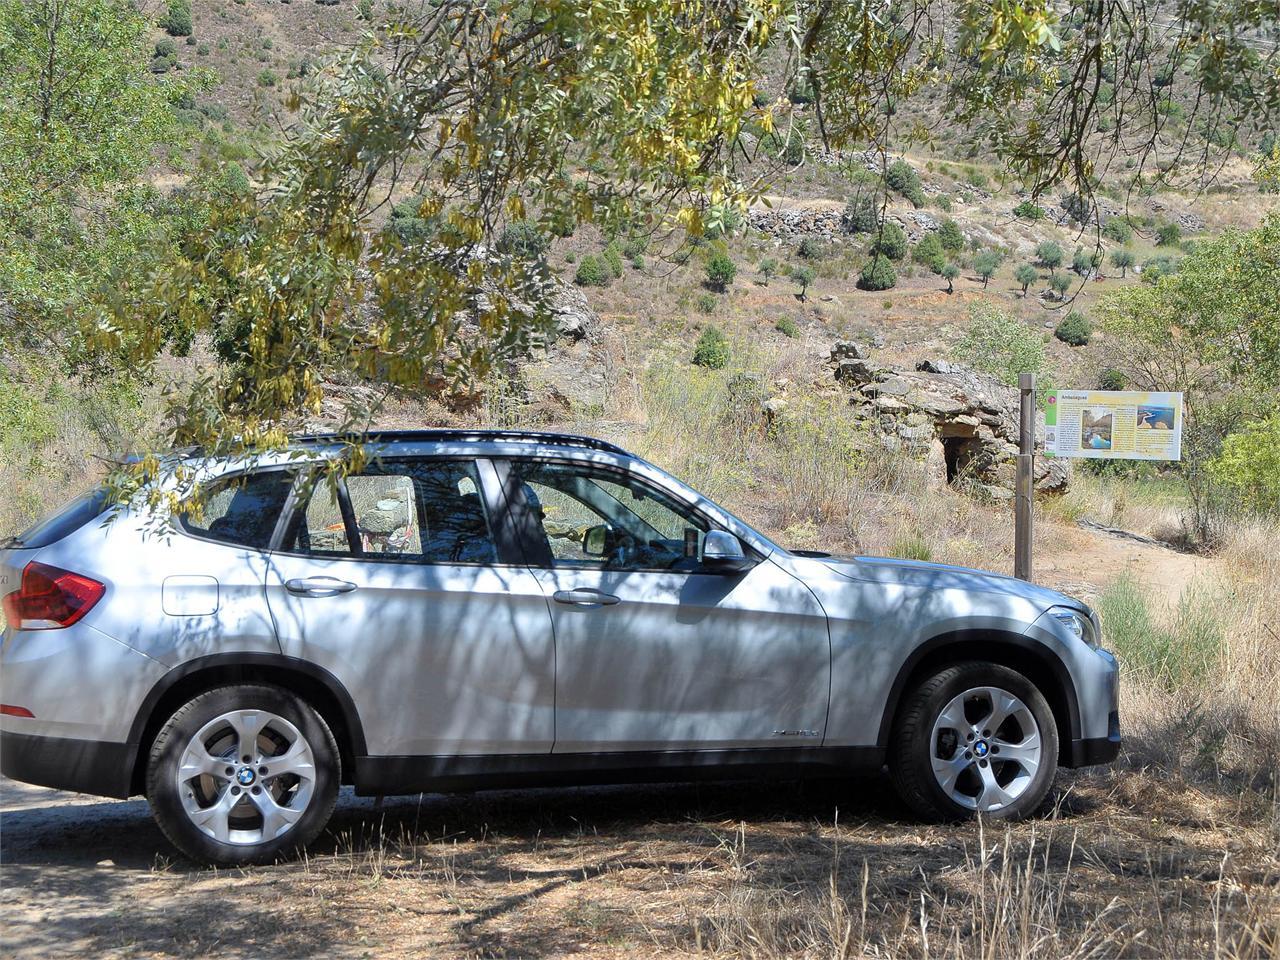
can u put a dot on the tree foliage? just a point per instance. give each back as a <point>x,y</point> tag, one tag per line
<point>878,274</point>
<point>720,271</point>
<point>1000,344</point>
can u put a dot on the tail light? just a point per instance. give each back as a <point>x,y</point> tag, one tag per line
<point>50,598</point>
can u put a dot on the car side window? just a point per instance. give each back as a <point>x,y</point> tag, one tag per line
<point>240,510</point>
<point>591,517</point>
<point>320,527</point>
<point>415,510</point>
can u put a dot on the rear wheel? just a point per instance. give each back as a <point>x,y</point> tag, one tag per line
<point>243,774</point>
<point>974,738</point>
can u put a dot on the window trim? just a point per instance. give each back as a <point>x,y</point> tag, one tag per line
<point>494,516</point>
<point>523,517</point>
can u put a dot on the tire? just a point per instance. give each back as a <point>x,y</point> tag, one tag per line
<point>948,763</point>
<point>215,806</point>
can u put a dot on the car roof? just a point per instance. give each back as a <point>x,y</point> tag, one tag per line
<point>461,436</point>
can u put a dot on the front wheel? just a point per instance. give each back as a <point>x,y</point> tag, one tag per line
<point>974,738</point>
<point>243,774</point>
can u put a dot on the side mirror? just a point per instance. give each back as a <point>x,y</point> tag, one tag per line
<point>595,540</point>
<point>722,553</point>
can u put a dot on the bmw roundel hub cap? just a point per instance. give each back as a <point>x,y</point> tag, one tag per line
<point>244,776</point>
<point>980,749</point>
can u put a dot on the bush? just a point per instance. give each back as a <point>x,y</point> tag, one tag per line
<point>612,260</point>
<point>891,241</point>
<point>929,253</point>
<point>1084,261</point>
<point>1074,330</point>
<point>1027,210</point>
<point>163,64</point>
<point>1249,465</point>
<point>902,178</point>
<point>1000,344</point>
<point>634,247</point>
<point>942,202</point>
<point>1049,254</point>
<point>767,267</point>
<point>1117,229</point>
<point>166,48</point>
<point>706,303</point>
<point>1060,283</point>
<point>787,327</point>
<point>810,249</point>
<point>878,274</point>
<point>591,272</point>
<point>1124,259</point>
<point>267,78</point>
<point>712,349</point>
<point>949,236</point>
<point>1177,655</point>
<point>523,239</point>
<point>1169,235</point>
<point>720,271</point>
<point>1157,267</point>
<point>861,214</point>
<point>1112,379</point>
<point>1025,275</point>
<point>177,22</point>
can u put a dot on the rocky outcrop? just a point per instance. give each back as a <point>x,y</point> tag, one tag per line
<point>963,424</point>
<point>790,225</point>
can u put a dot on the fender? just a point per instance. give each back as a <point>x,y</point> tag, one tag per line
<point>247,668</point>
<point>980,644</point>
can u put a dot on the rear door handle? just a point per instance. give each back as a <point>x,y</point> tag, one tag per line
<point>318,586</point>
<point>584,598</point>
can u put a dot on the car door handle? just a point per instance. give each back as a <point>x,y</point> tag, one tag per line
<point>318,586</point>
<point>584,598</point>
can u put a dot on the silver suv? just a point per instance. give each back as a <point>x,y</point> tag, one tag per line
<point>481,609</point>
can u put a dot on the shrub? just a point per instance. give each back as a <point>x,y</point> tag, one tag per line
<point>1074,330</point>
<point>891,241</point>
<point>612,260</point>
<point>1027,210</point>
<point>712,349</point>
<point>720,271</point>
<point>1060,283</point>
<point>1168,235</point>
<point>202,50</point>
<point>929,253</point>
<point>878,274</point>
<point>1157,267</point>
<point>706,303</point>
<point>1117,229</point>
<point>166,48</point>
<point>985,265</point>
<point>634,247</point>
<point>523,239</point>
<point>1112,379</point>
<point>1000,344</point>
<point>767,267</point>
<point>942,202</point>
<point>1026,275</point>
<point>861,214</point>
<point>1049,254</point>
<point>637,262</point>
<point>787,327</point>
<point>810,249</point>
<point>1084,261</point>
<point>1124,259</point>
<point>267,78</point>
<point>591,272</point>
<point>902,178</point>
<point>803,276</point>
<point>949,236</point>
<point>1175,655</point>
<point>1249,464</point>
<point>177,21</point>
<point>162,64</point>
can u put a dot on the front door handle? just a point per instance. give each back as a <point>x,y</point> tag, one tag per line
<point>318,586</point>
<point>584,598</point>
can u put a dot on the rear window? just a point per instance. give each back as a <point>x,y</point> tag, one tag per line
<point>242,510</point>
<point>63,523</point>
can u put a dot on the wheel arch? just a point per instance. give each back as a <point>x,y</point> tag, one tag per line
<point>1032,659</point>
<point>321,689</point>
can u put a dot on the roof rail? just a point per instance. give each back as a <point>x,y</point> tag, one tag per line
<point>463,436</point>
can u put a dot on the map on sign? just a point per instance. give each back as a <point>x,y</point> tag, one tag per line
<point>1124,424</point>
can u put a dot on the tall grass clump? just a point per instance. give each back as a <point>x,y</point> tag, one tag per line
<point>1176,651</point>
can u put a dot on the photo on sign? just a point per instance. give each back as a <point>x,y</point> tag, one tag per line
<point>1095,431</point>
<point>1155,418</point>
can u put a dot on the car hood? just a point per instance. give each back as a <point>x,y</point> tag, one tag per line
<point>939,576</point>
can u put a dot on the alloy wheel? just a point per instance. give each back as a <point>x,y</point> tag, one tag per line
<point>246,777</point>
<point>985,748</point>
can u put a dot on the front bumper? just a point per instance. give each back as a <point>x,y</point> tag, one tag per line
<point>84,766</point>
